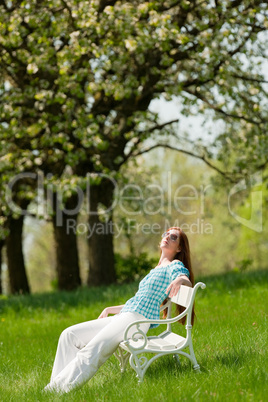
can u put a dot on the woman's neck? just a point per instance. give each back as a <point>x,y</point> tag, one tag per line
<point>164,261</point>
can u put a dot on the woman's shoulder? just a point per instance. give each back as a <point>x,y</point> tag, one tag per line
<point>178,265</point>
<point>178,262</point>
<point>178,268</point>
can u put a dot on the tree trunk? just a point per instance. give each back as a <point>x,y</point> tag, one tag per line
<point>101,251</point>
<point>64,224</point>
<point>18,281</point>
<point>1,248</point>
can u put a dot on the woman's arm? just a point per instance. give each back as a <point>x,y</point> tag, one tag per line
<point>111,310</point>
<point>176,284</point>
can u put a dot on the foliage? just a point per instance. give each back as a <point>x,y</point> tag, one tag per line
<point>244,264</point>
<point>77,78</point>
<point>133,267</point>
<point>229,337</point>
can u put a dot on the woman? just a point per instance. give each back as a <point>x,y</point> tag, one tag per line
<point>84,347</point>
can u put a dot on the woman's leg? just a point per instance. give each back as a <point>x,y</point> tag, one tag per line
<point>95,353</point>
<point>73,339</point>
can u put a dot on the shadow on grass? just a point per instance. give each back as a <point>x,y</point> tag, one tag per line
<point>108,294</point>
<point>231,359</point>
<point>82,297</point>
<point>165,368</point>
<point>234,358</point>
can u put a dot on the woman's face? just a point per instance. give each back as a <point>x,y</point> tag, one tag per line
<point>170,241</point>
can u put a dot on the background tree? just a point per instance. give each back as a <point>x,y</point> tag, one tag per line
<point>1,256</point>
<point>67,261</point>
<point>16,195</point>
<point>77,80</point>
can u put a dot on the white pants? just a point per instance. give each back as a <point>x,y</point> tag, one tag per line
<point>84,347</point>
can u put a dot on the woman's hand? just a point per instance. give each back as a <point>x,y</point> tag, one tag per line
<point>104,313</point>
<point>175,285</point>
<point>111,310</point>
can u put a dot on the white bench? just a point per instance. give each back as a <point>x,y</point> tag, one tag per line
<point>167,342</point>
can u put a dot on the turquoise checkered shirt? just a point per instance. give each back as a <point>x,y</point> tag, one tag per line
<point>152,290</point>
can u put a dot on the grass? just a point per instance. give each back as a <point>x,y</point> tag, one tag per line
<point>229,337</point>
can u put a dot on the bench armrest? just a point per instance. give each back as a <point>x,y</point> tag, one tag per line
<point>140,336</point>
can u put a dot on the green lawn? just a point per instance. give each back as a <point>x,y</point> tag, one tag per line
<point>229,337</point>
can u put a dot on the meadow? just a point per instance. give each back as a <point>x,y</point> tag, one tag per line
<point>229,338</point>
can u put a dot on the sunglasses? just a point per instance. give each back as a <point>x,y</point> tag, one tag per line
<point>172,236</point>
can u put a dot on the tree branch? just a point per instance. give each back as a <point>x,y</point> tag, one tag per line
<point>158,127</point>
<point>226,175</point>
<point>251,79</point>
<point>70,13</point>
<point>140,137</point>
<point>105,3</point>
<point>219,110</point>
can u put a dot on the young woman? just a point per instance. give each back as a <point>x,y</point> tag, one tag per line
<point>84,347</point>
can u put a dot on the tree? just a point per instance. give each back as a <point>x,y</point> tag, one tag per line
<point>67,262</point>
<point>18,280</point>
<point>1,248</point>
<point>19,194</point>
<point>78,78</point>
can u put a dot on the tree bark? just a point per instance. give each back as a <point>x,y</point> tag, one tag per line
<point>100,242</point>
<point>67,261</point>
<point>18,281</point>
<point>1,248</point>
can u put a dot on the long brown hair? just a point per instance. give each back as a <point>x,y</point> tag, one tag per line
<point>184,256</point>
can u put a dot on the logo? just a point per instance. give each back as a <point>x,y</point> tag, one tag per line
<point>254,186</point>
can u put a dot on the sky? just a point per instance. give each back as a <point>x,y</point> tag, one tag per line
<point>195,126</point>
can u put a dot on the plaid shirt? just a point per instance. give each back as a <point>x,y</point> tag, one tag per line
<point>152,290</point>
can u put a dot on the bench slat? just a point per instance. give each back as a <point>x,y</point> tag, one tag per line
<point>183,297</point>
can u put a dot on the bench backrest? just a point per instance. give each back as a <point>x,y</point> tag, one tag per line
<point>183,297</point>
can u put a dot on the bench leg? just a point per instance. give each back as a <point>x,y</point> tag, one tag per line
<point>123,357</point>
<point>196,366</point>
<point>140,365</point>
